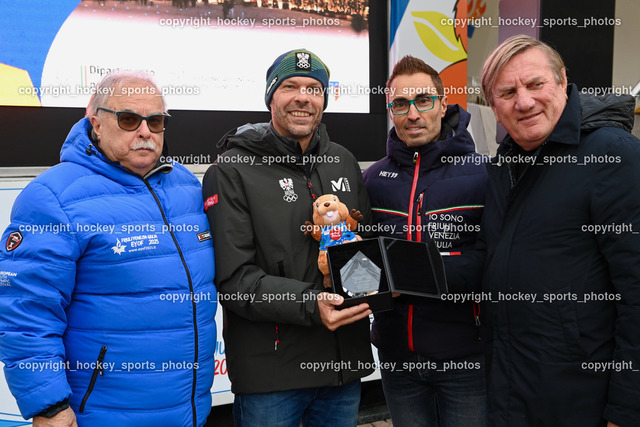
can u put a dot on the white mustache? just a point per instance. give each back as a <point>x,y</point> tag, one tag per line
<point>144,145</point>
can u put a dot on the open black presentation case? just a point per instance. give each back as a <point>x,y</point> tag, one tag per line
<point>371,270</point>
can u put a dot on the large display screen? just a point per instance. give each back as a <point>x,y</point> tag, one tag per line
<point>204,55</point>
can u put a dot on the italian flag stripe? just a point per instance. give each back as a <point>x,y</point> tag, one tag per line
<point>455,208</point>
<point>390,211</point>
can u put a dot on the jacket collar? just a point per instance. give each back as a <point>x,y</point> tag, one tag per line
<point>80,148</point>
<point>567,130</point>
<point>261,139</point>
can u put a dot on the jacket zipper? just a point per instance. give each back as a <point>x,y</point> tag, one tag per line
<point>419,218</point>
<point>335,333</point>
<point>416,170</point>
<point>311,193</point>
<point>277,340</point>
<point>97,370</point>
<point>338,357</point>
<point>193,304</point>
<point>416,174</point>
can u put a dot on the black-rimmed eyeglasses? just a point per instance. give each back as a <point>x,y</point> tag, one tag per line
<point>422,104</point>
<point>130,121</point>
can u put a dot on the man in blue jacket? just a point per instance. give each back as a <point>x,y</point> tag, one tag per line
<point>107,301</point>
<point>431,186</point>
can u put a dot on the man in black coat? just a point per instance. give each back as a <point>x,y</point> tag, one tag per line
<point>561,248</point>
<point>293,357</point>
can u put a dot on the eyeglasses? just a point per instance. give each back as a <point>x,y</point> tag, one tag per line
<point>130,121</point>
<point>422,104</point>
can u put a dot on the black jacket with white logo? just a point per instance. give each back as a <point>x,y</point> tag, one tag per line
<point>259,196</point>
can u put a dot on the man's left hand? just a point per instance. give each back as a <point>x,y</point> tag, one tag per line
<point>333,318</point>
<point>66,418</point>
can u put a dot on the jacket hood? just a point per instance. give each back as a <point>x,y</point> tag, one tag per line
<point>608,110</point>
<point>79,148</point>
<point>262,139</point>
<point>454,140</point>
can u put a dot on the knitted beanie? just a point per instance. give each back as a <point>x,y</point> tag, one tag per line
<point>299,62</point>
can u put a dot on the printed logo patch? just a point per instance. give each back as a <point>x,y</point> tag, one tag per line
<point>304,61</point>
<point>119,247</point>
<point>211,201</point>
<point>4,277</point>
<point>335,233</point>
<point>341,184</point>
<point>287,185</point>
<point>13,241</point>
<point>141,242</point>
<point>274,81</point>
<point>205,235</point>
<point>386,174</point>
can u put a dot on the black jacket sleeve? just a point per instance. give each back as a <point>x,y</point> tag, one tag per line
<point>244,287</point>
<point>616,202</point>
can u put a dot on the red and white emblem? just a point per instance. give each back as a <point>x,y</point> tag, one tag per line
<point>13,241</point>
<point>335,233</point>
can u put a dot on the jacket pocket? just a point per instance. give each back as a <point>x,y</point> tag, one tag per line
<point>97,370</point>
<point>281,268</point>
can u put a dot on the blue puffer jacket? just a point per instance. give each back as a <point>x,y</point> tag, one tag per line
<point>435,192</point>
<point>107,294</point>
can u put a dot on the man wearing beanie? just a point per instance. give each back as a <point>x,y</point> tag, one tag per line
<point>292,356</point>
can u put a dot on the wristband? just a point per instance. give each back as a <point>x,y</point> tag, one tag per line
<point>55,409</point>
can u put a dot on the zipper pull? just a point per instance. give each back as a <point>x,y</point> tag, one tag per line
<point>476,312</point>
<point>419,201</point>
<point>100,365</point>
<point>313,195</point>
<point>415,157</point>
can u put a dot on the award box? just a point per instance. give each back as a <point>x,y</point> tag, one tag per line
<point>371,270</point>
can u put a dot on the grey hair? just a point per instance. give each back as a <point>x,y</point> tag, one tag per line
<point>509,48</point>
<point>115,80</point>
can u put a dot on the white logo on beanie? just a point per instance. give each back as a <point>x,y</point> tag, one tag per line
<point>275,79</point>
<point>304,62</point>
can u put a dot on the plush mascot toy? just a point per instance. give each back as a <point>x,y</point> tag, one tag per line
<point>333,224</point>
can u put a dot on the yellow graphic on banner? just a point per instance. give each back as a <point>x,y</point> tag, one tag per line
<point>439,36</point>
<point>17,88</point>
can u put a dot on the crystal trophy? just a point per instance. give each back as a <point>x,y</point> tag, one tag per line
<point>360,276</point>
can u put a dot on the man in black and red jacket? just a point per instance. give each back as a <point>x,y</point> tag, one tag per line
<point>431,185</point>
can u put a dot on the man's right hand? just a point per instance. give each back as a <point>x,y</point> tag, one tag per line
<point>66,418</point>
<point>333,318</point>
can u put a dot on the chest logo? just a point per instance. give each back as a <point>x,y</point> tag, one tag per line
<point>386,174</point>
<point>119,247</point>
<point>289,194</point>
<point>341,184</point>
